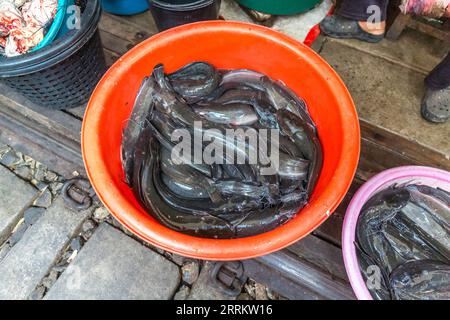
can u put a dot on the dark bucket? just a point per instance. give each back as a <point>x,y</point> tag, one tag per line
<point>63,74</point>
<point>173,13</point>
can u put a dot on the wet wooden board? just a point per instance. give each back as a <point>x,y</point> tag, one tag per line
<point>55,141</point>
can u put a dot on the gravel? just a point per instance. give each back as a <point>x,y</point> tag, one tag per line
<point>182,293</point>
<point>190,271</point>
<point>76,244</point>
<point>88,229</point>
<point>44,200</point>
<point>101,213</point>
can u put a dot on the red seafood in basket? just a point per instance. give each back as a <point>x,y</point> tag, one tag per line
<point>22,24</point>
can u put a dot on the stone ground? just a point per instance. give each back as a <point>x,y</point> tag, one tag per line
<point>48,251</point>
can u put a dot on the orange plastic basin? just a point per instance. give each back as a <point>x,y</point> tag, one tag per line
<point>229,45</point>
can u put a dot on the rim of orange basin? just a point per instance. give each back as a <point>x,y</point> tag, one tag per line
<point>156,234</point>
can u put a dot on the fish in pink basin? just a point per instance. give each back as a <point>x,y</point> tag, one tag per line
<point>402,235</point>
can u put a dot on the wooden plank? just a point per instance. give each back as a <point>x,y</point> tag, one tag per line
<point>114,43</point>
<point>400,23</point>
<point>322,254</point>
<point>435,32</point>
<point>277,281</point>
<point>307,275</point>
<point>417,153</point>
<point>123,28</point>
<point>144,21</point>
<point>44,138</point>
<point>55,122</point>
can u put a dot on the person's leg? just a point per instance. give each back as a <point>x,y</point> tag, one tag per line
<point>360,10</point>
<point>436,103</point>
<point>356,19</point>
<point>439,78</point>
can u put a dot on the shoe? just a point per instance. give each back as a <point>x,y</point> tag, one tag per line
<point>436,105</point>
<point>342,28</point>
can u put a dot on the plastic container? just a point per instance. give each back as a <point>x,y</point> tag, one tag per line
<point>172,13</point>
<point>277,7</point>
<point>225,45</point>
<point>409,174</point>
<point>125,7</point>
<point>63,74</point>
<point>56,25</point>
<point>67,19</point>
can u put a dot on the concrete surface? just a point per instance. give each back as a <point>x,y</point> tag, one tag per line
<point>113,266</point>
<point>386,93</point>
<point>413,50</point>
<point>30,259</point>
<point>15,196</point>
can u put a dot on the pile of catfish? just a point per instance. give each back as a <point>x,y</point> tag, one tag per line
<point>224,199</point>
<point>405,233</point>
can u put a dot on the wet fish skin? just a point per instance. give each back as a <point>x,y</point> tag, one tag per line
<point>291,125</point>
<point>204,226</point>
<point>232,172</point>
<point>265,220</point>
<point>237,79</point>
<point>379,210</point>
<point>201,208</point>
<point>421,280</point>
<point>284,98</point>
<point>143,106</point>
<point>231,114</point>
<point>407,242</point>
<point>265,111</point>
<point>293,168</point>
<point>437,193</point>
<point>242,95</point>
<point>289,185</point>
<point>365,262</point>
<point>307,141</point>
<point>250,206</point>
<point>217,172</point>
<point>168,145</point>
<point>243,151</point>
<point>296,196</point>
<point>141,154</point>
<point>187,175</point>
<point>165,124</point>
<point>185,190</point>
<point>250,78</point>
<point>429,229</point>
<point>287,146</point>
<point>249,190</point>
<point>390,199</point>
<point>398,231</point>
<point>194,81</point>
<point>433,202</point>
<point>242,172</point>
<point>167,101</point>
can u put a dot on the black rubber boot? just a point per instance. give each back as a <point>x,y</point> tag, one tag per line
<point>342,28</point>
<point>436,105</point>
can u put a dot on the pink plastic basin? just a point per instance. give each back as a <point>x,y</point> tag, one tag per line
<point>410,174</point>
